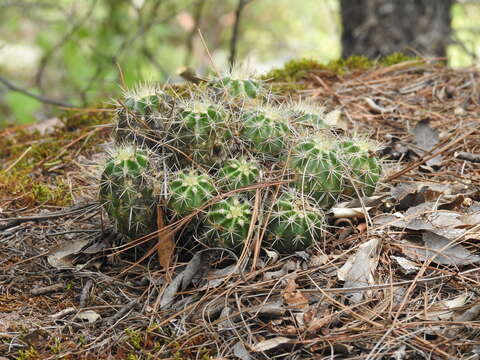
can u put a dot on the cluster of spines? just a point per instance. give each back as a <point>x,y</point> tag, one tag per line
<point>316,169</point>
<point>238,173</point>
<point>296,222</point>
<point>223,142</point>
<point>361,169</point>
<point>228,222</point>
<point>126,191</point>
<point>190,190</point>
<point>239,83</point>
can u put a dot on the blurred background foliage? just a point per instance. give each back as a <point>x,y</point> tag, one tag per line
<point>72,50</point>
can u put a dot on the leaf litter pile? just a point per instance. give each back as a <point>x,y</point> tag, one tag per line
<point>397,275</point>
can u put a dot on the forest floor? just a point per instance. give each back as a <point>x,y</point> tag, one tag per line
<point>397,277</point>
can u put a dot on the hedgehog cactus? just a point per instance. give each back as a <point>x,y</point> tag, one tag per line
<point>200,130</point>
<point>266,130</point>
<point>316,168</point>
<point>189,190</point>
<point>126,191</point>
<point>237,173</point>
<point>295,223</point>
<point>224,135</point>
<point>308,117</point>
<point>240,82</point>
<point>138,116</point>
<point>228,222</point>
<point>239,87</point>
<point>361,170</point>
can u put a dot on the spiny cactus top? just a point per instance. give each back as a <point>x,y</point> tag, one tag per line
<point>239,82</point>
<point>190,190</point>
<point>317,169</point>
<point>361,168</point>
<point>229,221</point>
<point>296,222</point>
<point>308,117</point>
<point>237,173</point>
<point>266,130</point>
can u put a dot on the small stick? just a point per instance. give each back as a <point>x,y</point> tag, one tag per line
<point>120,313</point>
<point>85,293</point>
<point>47,289</point>
<point>63,313</point>
<point>463,155</point>
<point>208,52</point>
<point>18,160</point>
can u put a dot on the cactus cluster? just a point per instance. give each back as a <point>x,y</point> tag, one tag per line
<point>218,142</point>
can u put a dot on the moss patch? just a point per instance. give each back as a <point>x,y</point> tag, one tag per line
<point>34,165</point>
<point>296,70</point>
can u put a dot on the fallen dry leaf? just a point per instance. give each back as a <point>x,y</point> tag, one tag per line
<point>240,351</point>
<point>407,266</point>
<point>359,268</point>
<point>426,139</point>
<point>454,254</point>
<point>444,310</point>
<point>89,315</point>
<point>192,270</point>
<point>269,344</point>
<point>294,297</point>
<point>62,256</point>
<point>318,323</point>
<point>170,292</point>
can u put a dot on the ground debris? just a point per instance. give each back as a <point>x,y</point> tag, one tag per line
<point>396,277</point>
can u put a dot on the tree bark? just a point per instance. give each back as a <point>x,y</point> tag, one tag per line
<point>380,27</point>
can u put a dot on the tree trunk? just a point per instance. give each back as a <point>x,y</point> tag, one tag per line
<point>380,27</point>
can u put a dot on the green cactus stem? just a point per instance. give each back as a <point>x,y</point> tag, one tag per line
<point>189,190</point>
<point>308,116</point>
<point>296,223</point>
<point>126,191</point>
<point>139,115</point>
<point>361,169</point>
<point>239,87</point>
<point>229,222</point>
<point>237,173</point>
<point>316,168</point>
<point>266,130</point>
<point>200,130</point>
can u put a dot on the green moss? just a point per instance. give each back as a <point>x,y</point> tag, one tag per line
<point>29,354</point>
<point>397,58</point>
<point>296,70</point>
<point>36,163</point>
<point>355,62</point>
<point>134,339</point>
<point>53,194</point>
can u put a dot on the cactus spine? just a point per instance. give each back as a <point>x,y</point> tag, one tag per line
<point>237,173</point>
<point>229,222</point>
<point>317,169</point>
<point>189,190</point>
<point>127,192</point>
<point>295,224</point>
<point>361,170</point>
<point>266,130</point>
